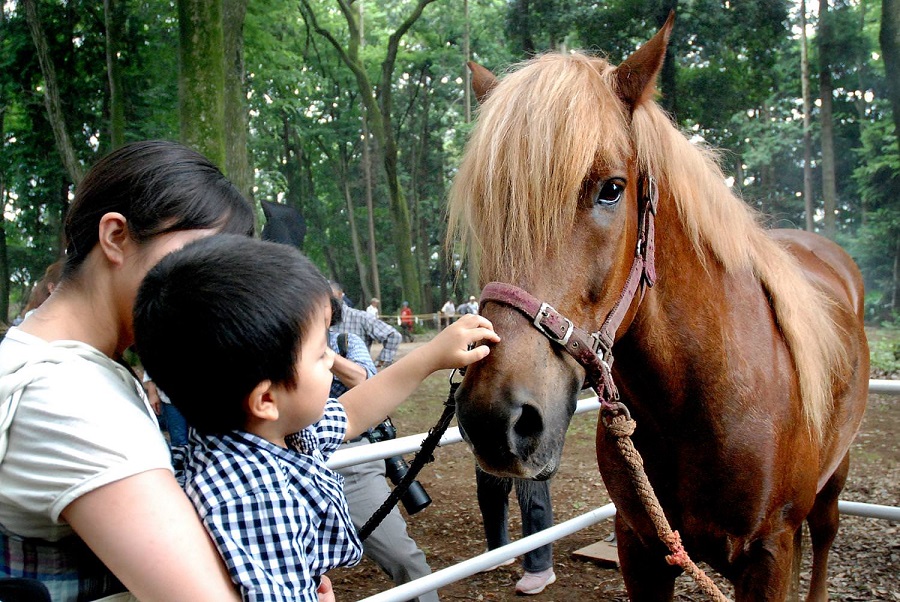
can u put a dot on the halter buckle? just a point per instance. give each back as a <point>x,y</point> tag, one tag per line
<point>546,310</point>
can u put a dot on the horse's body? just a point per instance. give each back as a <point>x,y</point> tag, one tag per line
<point>745,366</point>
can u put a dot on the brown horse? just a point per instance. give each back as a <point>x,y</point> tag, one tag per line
<point>739,352</point>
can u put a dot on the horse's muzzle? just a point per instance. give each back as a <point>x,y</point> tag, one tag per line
<point>510,435</point>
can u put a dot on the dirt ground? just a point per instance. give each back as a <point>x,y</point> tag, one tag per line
<point>865,559</point>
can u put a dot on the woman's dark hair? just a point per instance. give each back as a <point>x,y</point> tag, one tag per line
<point>158,186</point>
<point>221,315</point>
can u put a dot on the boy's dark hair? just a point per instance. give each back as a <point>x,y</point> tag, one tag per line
<point>221,315</point>
<point>159,186</point>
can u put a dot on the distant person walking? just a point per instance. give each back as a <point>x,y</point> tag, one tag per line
<point>373,309</point>
<point>448,312</point>
<point>407,322</point>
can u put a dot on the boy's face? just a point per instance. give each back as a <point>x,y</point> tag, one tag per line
<point>305,404</point>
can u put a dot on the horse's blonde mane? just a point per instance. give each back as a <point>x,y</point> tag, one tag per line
<point>525,164</point>
<point>540,133</point>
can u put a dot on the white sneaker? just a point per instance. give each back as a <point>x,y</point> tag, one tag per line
<point>534,583</point>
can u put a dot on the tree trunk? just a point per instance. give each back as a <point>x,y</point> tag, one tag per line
<point>4,255</point>
<point>889,37</point>
<point>826,88</point>
<point>370,206</point>
<point>807,129</point>
<point>51,94</point>
<point>4,270</point>
<point>201,80</point>
<point>114,15</point>
<point>237,118</point>
<point>367,173</point>
<point>351,217</point>
<point>378,114</point>
<point>315,220</point>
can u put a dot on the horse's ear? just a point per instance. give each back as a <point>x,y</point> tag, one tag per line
<point>636,76</point>
<point>483,81</point>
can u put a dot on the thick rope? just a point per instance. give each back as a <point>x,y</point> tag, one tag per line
<point>622,427</point>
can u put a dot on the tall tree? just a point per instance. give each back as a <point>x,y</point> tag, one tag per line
<point>237,120</point>
<point>367,173</point>
<point>52,98</point>
<point>114,18</point>
<point>201,79</point>
<point>826,116</point>
<point>889,38</point>
<point>807,126</point>
<point>379,117</point>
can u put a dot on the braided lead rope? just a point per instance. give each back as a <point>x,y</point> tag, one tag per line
<point>622,427</point>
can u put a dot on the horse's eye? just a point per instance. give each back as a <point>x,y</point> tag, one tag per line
<point>610,192</point>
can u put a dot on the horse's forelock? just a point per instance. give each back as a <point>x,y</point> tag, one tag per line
<point>539,134</point>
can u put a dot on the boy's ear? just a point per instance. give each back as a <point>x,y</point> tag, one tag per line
<point>261,403</point>
<point>112,235</point>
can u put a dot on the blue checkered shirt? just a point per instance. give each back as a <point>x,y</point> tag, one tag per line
<point>370,329</point>
<point>356,352</point>
<point>277,516</point>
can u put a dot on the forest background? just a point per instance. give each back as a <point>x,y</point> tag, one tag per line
<point>356,113</point>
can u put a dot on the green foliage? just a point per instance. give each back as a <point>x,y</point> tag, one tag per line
<point>735,84</point>
<point>884,349</point>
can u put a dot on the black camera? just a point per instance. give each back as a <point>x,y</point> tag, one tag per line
<point>416,498</point>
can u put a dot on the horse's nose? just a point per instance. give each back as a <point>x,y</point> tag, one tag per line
<point>526,426</point>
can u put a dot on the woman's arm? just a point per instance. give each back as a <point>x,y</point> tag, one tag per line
<point>367,404</point>
<point>146,531</point>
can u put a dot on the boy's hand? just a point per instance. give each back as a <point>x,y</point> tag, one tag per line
<point>450,348</point>
<point>325,592</point>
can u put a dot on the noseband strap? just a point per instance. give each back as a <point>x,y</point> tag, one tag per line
<point>593,351</point>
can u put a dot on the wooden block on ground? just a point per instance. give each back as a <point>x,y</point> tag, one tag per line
<point>603,552</point>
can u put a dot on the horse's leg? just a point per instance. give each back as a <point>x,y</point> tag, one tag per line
<point>823,526</point>
<point>766,568</point>
<point>793,594</point>
<point>648,577</point>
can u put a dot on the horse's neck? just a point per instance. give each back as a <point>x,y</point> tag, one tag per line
<point>683,336</point>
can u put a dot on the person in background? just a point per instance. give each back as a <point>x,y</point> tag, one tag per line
<point>369,329</point>
<point>258,399</point>
<point>89,498</point>
<point>41,290</point>
<point>469,307</point>
<point>171,418</point>
<point>448,312</point>
<point>365,486</point>
<point>537,515</point>
<point>407,322</point>
<point>372,310</point>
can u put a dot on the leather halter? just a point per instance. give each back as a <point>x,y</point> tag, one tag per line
<point>593,350</point>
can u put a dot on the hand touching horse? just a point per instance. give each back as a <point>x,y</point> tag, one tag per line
<point>745,364</point>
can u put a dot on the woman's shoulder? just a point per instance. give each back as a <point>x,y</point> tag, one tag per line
<point>24,355</point>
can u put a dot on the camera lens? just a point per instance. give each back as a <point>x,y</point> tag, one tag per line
<point>416,498</point>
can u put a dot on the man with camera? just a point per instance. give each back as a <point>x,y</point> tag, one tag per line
<point>365,488</point>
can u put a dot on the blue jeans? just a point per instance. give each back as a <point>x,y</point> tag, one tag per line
<point>534,503</point>
<point>175,424</point>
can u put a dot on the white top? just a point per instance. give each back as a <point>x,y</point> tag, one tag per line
<point>372,311</point>
<point>449,309</point>
<point>74,421</point>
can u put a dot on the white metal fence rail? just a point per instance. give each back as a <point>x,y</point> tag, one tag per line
<point>412,443</point>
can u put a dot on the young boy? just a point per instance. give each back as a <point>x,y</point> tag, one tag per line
<point>235,330</point>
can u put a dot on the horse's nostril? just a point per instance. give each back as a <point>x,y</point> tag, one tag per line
<point>530,424</point>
